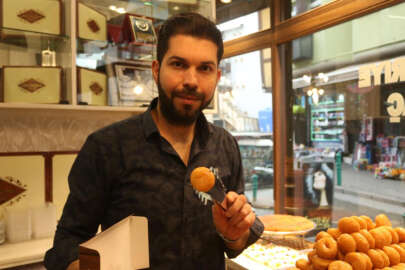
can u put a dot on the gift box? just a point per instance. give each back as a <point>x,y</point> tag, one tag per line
<point>44,16</point>
<point>139,29</point>
<point>32,84</point>
<point>92,87</point>
<point>91,24</point>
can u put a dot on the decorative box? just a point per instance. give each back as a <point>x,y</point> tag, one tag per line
<point>44,16</point>
<point>32,84</point>
<point>92,87</point>
<point>139,29</point>
<point>91,24</point>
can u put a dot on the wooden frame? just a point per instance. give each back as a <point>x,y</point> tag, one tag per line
<point>285,29</point>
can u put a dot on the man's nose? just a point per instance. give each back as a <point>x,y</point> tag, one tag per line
<point>190,78</point>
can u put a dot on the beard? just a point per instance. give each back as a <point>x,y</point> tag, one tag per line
<point>185,116</point>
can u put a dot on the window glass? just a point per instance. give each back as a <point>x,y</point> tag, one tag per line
<point>240,18</point>
<point>245,110</point>
<point>300,6</point>
<point>347,119</point>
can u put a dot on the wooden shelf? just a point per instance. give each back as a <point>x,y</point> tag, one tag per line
<point>27,252</point>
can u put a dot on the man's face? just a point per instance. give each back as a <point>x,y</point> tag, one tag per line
<point>186,78</point>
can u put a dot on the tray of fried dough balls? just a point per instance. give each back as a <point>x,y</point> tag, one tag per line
<point>358,243</point>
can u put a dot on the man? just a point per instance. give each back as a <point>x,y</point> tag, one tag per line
<point>142,165</point>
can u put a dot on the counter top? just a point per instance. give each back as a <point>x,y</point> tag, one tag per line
<point>15,254</point>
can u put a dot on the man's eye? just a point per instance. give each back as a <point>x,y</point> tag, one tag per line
<point>177,64</point>
<point>206,68</point>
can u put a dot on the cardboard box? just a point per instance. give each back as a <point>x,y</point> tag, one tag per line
<point>43,16</point>
<point>32,84</point>
<point>91,24</point>
<point>92,87</point>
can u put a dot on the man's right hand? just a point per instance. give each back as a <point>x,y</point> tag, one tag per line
<point>74,265</point>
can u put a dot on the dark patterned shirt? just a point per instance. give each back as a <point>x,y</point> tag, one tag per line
<point>128,168</point>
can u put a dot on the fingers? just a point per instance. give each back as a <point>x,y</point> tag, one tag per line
<point>239,212</point>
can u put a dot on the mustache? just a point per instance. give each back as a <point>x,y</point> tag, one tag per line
<point>188,92</point>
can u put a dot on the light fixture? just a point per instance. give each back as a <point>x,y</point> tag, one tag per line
<point>138,90</point>
<point>323,77</point>
<point>321,91</point>
<point>307,78</point>
<point>226,1</point>
<point>176,8</point>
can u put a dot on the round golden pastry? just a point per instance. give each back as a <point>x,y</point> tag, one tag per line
<point>392,254</point>
<point>356,260</point>
<point>293,268</point>
<point>348,225</point>
<point>322,234</point>
<point>369,221</point>
<point>369,237</point>
<point>311,254</point>
<point>368,260</point>
<point>382,220</point>
<point>202,179</point>
<point>401,252</point>
<point>388,236</point>
<point>302,264</point>
<point>399,267</point>
<point>334,232</point>
<point>401,234</point>
<point>379,237</point>
<point>340,255</point>
<point>326,248</point>
<point>346,243</point>
<point>376,258</point>
<point>362,222</point>
<point>339,265</point>
<point>394,234</point>
<point>320,263</point>
<point>402,245</point>
<point>385,257</point>
<point>362,244</point>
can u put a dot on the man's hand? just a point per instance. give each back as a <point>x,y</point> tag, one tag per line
<point>234,223</point>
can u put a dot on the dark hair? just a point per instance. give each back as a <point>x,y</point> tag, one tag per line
<point>192,24</point>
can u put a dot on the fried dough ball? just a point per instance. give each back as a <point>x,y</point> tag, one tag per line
<point>402,245</point>
<point>346,243</point>
<point>385,257</point>
<point>362,244</point>
<point>394,234</point>
<point>340,255</point>
<point>369,221</point>
<point>321,235</point>
<point>376,258</point>
<point>311,254</point>
<point>388,235</point>
<point>369,237</point>
<point>348,225</point>
<point>326,248</point>
<point>339,265</point>
<point>400,251</point>
<point>334,232</point>
<point>401,234</point>
<point>302,264</point>
<point>392,254</point>
<point>356,260</point>
<point>382,220</point>
<point>202,179</point>
<point>399,266</point>
<point>320,263</point>
<point>379,237</point>
<point>362,222</point>
<point>368,260</point>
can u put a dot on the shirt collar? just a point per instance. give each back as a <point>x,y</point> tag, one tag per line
<point>203,129</point>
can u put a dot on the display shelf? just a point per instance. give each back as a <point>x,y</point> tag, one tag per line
<point>27,252</point>
<point>327,122</point>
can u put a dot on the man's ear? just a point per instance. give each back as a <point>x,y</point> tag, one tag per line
<point>155,70</point>
<point>219,73</point>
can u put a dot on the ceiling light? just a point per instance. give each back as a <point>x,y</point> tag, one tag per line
<point>176,8</point>
<point>226,1</point>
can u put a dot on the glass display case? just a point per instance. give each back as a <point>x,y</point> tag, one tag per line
<point>101,52</point>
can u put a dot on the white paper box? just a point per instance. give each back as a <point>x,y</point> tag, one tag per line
<point>43,221</point>
<point>18,225</point>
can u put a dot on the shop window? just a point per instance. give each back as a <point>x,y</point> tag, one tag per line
<point>348,129</point>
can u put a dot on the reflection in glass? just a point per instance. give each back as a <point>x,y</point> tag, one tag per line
<point>348,105</point>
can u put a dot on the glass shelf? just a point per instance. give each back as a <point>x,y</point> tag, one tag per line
<point>30,39</point>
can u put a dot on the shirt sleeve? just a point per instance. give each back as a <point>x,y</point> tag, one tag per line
<point>84,207</point>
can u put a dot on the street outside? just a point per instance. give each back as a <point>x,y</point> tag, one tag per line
<point>360,193</point>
